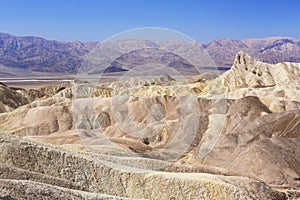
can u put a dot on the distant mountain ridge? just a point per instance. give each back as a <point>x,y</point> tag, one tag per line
<point>271,50</point>
<point>38,54</point>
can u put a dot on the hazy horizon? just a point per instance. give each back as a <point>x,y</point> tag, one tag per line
<point>274,36</point>
<point>203,21</point>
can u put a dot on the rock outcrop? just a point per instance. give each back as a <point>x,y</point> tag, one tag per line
<point>12,98</point>
<point>275,85</point>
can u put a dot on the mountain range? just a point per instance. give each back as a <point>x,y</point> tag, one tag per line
<point>35,54</point>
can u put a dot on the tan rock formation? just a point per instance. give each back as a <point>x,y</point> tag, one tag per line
<point>235,136</point>
<point>96,177</point>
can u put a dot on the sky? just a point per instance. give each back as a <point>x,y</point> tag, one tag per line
<point>202,20</point>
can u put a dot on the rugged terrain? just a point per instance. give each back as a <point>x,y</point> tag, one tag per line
<point>232,136</point>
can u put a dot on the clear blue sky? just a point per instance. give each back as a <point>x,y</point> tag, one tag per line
<point>203,20</point>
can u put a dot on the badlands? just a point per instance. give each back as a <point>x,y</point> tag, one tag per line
<point>232,136</point>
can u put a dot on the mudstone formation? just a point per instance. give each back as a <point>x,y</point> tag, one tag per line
<point>233,136</point>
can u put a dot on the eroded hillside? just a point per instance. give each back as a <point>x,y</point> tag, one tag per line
<point>233,136</point>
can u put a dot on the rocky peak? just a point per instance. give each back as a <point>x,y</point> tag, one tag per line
<point>256,73</point>
<point>246,71</point>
